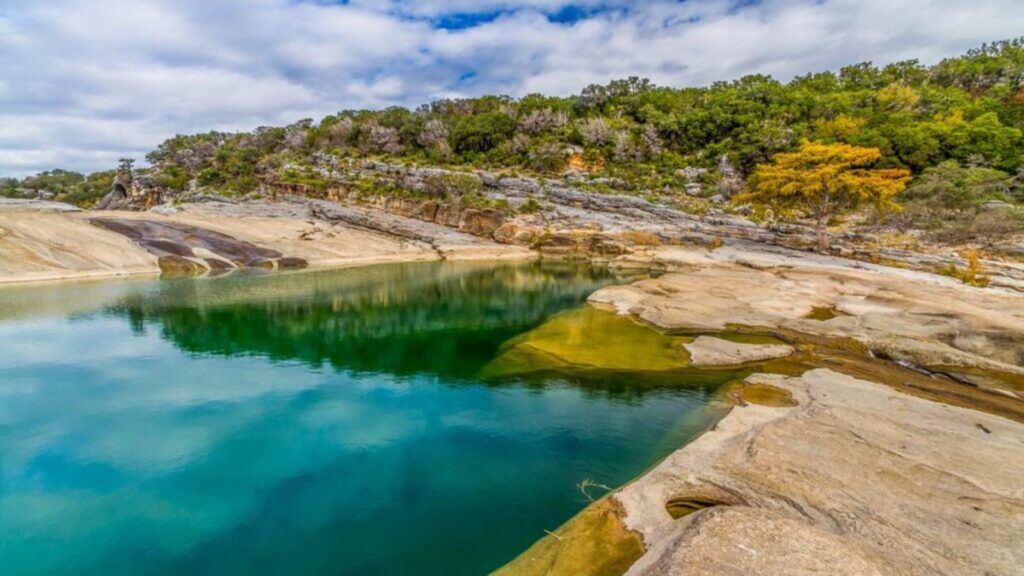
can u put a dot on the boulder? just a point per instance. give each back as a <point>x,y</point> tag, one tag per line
<point>562,245</point>
<point>601,245</point>
<point>174,265</point>
<point>481,222</point>
<point>512,233</point>
<point>710,351</point>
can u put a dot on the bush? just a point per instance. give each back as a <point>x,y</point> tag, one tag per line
<point>482,132</point>
<point>452,184</point>
<point>641,238</point>
<point>973,274</point>
<point>548,157</point>
<point>531,206</point>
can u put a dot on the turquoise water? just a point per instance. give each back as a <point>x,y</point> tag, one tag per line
<point>307,423</point>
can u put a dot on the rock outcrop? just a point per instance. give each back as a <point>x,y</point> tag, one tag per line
<point>890,441</point>
<point>182,249</point>
<point>854,480</point>
<point>130,192</point>
<point>929,322</point>
<point>569,208</point>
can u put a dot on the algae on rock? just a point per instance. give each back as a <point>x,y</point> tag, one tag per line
<point>588,338</point>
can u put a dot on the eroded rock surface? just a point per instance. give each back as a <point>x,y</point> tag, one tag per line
<point>36,205</point>
<point>856,479</point>
<point>711,351</point>
<point>182,249</point>
<point>926,321</point>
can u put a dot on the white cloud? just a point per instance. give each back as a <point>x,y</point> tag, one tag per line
<point>83,82</point>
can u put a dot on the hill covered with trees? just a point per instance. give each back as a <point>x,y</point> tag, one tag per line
<point>957,127</point>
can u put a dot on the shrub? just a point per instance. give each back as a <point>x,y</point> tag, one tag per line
<point>531,206</point>
<point>451,184</point>
<point>641,238</point>
<point>482,132</point>
<point>973,274</point>
<point>548,157</point>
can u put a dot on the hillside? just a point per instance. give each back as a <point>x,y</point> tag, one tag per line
<point>958,126</point>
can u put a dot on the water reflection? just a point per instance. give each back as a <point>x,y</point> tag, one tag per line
<point>307,423</point>
<point>443,319</point>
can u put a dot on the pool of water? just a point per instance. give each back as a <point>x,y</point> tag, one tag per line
<point>334,422</point>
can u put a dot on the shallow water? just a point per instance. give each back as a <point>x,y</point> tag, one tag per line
<point>310,423</point>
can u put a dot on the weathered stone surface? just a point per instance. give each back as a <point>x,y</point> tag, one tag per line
<point>921,319</point>
<point>36,205</point>
<point>132,193</point>
<point>857,479</point>
<point>445,241</point>
<point>44,244</point>
<point>601,245</point>
<point>710,351</point>
<point>166,209</point>
<point>185,249</point>
<point>174,265</point>
<point>480,222</point>
<point>512,233</point>
<point>558,245</point>
<point>448,215</point>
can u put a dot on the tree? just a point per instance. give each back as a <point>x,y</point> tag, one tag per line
<point>824,179</point>
<point>125,165</point>
<point>482,132</point>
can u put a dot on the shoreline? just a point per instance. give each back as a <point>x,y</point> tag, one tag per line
<point>894,348</point>
<point>48,247</point>
<point>890,440</point>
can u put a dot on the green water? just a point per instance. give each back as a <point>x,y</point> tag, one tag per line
<point>308,423</point>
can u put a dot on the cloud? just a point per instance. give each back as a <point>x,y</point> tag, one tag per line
<point>84,82</point>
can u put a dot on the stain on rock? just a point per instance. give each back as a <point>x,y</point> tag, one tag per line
<point>175,246</point>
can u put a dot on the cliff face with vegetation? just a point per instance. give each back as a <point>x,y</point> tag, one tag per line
<point>956,126</point>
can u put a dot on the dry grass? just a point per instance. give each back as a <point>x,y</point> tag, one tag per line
<point>641,238</point>
<point>973,274</point>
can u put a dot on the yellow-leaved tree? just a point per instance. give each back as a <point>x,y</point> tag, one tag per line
<point>824,180</point>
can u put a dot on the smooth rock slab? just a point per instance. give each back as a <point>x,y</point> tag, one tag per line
<point>33,204</point>
<point>710,351</point>
<point>855,479</point>
<point>183,249</point>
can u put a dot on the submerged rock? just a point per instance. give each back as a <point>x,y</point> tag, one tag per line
<point>601,546</point>
<point>588,339</point>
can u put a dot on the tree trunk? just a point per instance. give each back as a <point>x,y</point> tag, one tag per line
<point>822,233</point>
<point>821,224</point>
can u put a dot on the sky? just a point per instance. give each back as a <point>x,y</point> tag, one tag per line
<point>85,82</point>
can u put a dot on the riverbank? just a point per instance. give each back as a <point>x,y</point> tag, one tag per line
<point>42,243</point>
<point>890,442</point>
<point>888,439</point>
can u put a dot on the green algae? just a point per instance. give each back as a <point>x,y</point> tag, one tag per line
<point>589,339</point>
<point>761,394</point>
<point>592,542</point>
<point>595,542</point>
<point>823,313</point>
